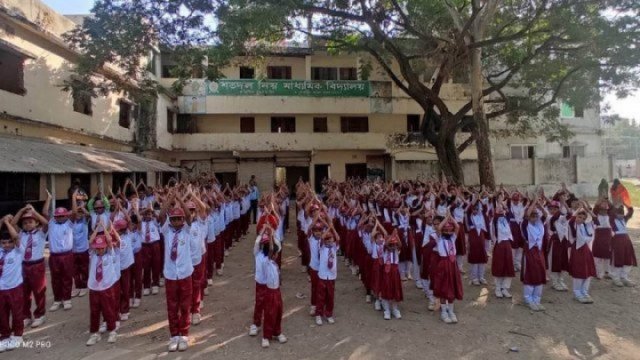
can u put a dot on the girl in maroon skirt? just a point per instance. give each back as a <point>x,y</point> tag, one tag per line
<point>377,258</point>
<point>516,211</point>
<point>582,267</point>
<point>558,252</point>
<point>502,259</point>
<point>602,238</point>
<point>533,274</point>
<point>390,284</point>
<point>623,256</point>
<point>446,281</point>
<point>428,255</point>
<point>477,232</point>
<point>458,211</point>
<point>404,230</point>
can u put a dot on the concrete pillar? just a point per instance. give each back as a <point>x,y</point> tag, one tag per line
<point>51,186</point>
<point>534,170</point>
<point>151,178</point>
<point>101,182</point>
<point>307,67</point>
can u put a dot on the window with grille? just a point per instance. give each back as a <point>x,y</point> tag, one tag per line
<point>82,102</point>
<point>279,72</point>
<point>319,124</point>
<point>126,112</point>
<point>324,73</point>
<point>19,186</point>
<point>354,124</point>
<point>12,72</point>
<point>349,73</point>
<point>170,120</point>
<point>281,124</point>
<point>570,151</point>
<point>522,151</point>
<point>247,72</point>
<point>247,125</point>
<point>413,123</point>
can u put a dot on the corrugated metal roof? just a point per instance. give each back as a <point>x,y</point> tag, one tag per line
<point>22,155</point>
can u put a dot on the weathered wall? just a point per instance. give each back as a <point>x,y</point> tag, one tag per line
<point>264,170</point>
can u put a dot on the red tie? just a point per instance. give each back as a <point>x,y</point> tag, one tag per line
<point>174,246</point>
<point>28,252</point>
<point>99,269</point>
<point>147,235</point>
<point>330,262</point>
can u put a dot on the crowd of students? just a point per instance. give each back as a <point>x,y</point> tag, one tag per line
<point>120,247</point>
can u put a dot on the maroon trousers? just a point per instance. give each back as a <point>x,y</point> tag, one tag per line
<point>258,308</point>
<point>218,250</point>
<point>313,274</point>
<point>196,287</point>
<point>125,289</point>
<point>179,305</point>
<point>324,300</point>
<point>34,282</point>
<point>103,303</point>
<point>272,313</point>
<point>151,264</point>
<point>136,276</point>
<point>210,260</point>
<point>11,306</point>
<point>61,269</point>
<point>81,269</point>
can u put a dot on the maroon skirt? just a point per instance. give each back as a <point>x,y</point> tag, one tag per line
<point>518,238</point>
<point>502,260</point>
<point>446,280</point>
<point>303,246</point>
<point>427,254</point>
<point>461,241</point>
<point>533,271</point>
<point>365,272</point>
<point>582,264</point>
<point>559,254</point>
<point>602,243</point>
<point>350,240</point>
<point>622,253</point>
<point>376,277</point>
<point>391,285</point>
<point>407,248</point>
<point>477,248</point>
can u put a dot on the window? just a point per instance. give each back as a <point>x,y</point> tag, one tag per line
<point>319,124</point>
<point>324,73</point>
<point>279,72</point>
<point>11,72</point>
<point>82,102</point>
<point>567,111</point>
<point>283,124</point>
<point>348,73</point>
<point>570,151</point>
<point>247,125</point>
<point>522,151</point>
<point>19,186</point>
<point>126,111</point>
<point>413,123</point>
<point>354,124</point>
<point>185,124</point>
<point>167,71</point>
<point>170,121</point>
<point>247,72</point>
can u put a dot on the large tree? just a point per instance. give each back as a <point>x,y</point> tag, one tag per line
<point>522,55</point>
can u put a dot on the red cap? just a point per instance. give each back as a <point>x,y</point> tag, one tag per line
<point>100,242</point>
<point>191,205</point>
<point>176,212</point>
<point>60,212</point>
<point>265,239</point>
<point>120,224</point>
<point>28,215</point>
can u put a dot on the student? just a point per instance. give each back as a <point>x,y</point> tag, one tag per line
<point>582,266</point>
<point>80,221</point>
<point>623,255</point>
<point>151,253</point>
<point>103,276</point>
<point>446,281</point>
<point>314,237</point>
<point>558,252</point>
<point>11,291</point>
<point>33,236</point>
<point>429,242</point>
<point>477,233</point>
<point>198,216</point>
<point>127,242</point>
<point>136,268</point>
<point>327,274</point>
<point>502,260</point>
<point>533,274</point>
<point>602,238</point>
<point>273,307</point>
<point>391,284</point>
<point>61,257</point>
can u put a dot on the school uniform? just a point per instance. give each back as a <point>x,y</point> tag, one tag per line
<point>582,265</point>
<point>261,285</point>
<point>533,274</point>
<point>477,233</point>
<point>151,253</point>
<point>127,260</point>
<point>178,267</point>
<point>198,234</point>
<point>104,272</point>
<point>427,254</point>
<point>459,214</point>
<point>136,268</point>
<point>366,261</point>
<point>80,253</point>
<point>623,256</point>
<point>33,272</point>
<point>229,225</point>
<point>219,243</point>
<point>502,259</point>
<point>405,259</point>
<point>11,292</point>
<point>558,252</point>
<point>516,218</point>
<point>314,267</point>
<point>210,244</point>
<point>273,307</point>
<point>602,244</point>
<point>446,281</point>
<point>391,284</point>
<point>327,274</point>
<point>377,258</point>
<point>61,259</point>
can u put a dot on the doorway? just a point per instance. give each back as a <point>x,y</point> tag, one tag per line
<point>289,175</point>
<point>225,178</point>
<point>321,173</point>
<point>358,171</point>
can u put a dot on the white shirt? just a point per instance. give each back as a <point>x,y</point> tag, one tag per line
<point>236,210</point>
<point>199,234</point>
<point>154,231</point>
<point>324,272</point>
<point>12,269</point>
<point>261,277</point>
<point>535,233</point>
<point>136,241</point>
<point>60,236</point>
<point>182,267</point>
<point>211,227</point>
<point>391,257</point>
<point>272,275</point>
<point>228,213</point>
<point>37,246</point>
<point>314,261</point>
<point>110,270</point>
<point>95,219</point>
<point>428,232</point>
<point>584,235</point>
<point>502,230</point>
<point>446,247</point>
<point>126,250</point>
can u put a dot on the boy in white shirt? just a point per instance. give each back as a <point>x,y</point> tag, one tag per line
<point>327,274</point>
<point>11,291</point>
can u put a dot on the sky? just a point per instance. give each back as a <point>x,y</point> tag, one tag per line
<point>626,108</point>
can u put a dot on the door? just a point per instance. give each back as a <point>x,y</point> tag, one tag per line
<point>225,178</point>
<point>293,173</point>
<point>358,171</point>
<point>321,173</point>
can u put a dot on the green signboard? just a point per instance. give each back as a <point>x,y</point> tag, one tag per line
<point>288,88</point>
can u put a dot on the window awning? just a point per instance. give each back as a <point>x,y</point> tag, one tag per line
<point>24,155</point>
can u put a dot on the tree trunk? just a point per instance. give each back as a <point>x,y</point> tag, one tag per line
<point>449,160</point>
<point>481,128</point>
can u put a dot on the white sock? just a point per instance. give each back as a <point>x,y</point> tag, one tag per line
<point>528,293</point>
<point>481,271</point>
<point>537,294</point>
<point>506,283</point>
<point>577,287</point>
<point>585,286</point>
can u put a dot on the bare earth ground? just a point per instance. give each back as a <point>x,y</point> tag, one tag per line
<point>488,327</point>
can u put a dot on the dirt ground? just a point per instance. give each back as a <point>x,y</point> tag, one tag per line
<point>488,328</point>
